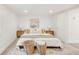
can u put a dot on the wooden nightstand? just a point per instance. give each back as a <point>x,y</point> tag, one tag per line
<point>50,32</point>
<point>19,33</point>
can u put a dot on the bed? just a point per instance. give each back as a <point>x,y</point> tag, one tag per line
<point>50,40</point>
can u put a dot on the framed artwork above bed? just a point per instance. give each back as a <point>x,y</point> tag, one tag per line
<point>34,23</point>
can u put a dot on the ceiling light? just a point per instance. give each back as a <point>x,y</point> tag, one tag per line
<point>26,11</point>
<point>50,11</point>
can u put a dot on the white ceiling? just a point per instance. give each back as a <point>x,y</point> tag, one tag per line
<point>39,9</point>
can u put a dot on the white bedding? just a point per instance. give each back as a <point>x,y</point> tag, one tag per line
<point>53,42</point>
<point>36,35</point>
<point>49,39</point>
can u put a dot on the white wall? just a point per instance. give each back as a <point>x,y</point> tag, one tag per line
<point>7,28</point>
<point>68,26</point>
<point>45,21</point>
<point>74,26</point>
<point>62,26</point>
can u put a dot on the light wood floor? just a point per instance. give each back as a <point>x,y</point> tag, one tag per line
<point>69,49</point>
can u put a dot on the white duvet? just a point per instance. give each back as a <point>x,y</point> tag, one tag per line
<point>53,42</point>
<point>36,35</point>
